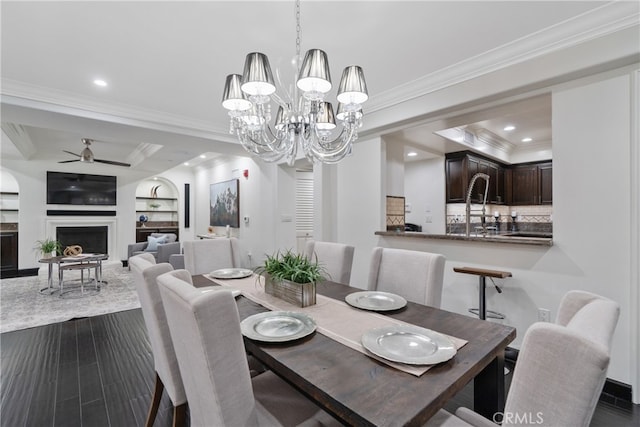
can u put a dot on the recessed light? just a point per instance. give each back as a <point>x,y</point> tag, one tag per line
<point>100,82</point>
<point>202,156</point>
<point>509,128</point>
<point>527,139</point>
<point>412,154</point>
<point>186,163</point>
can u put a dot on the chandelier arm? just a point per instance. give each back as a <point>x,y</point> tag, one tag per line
<point>326,153</point>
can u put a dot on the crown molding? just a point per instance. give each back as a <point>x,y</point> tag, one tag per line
<point>604,20</point>
<point>20,94</point>
<point>20,138</point>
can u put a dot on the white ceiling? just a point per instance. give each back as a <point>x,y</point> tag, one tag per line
<point>165,64</point>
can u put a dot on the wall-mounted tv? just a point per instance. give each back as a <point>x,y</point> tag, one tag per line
<point>65,188</point>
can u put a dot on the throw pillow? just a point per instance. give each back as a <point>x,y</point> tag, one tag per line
<point>153,242</point>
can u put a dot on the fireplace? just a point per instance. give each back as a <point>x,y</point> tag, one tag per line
<point>93,240</point>
<point>53,223</point>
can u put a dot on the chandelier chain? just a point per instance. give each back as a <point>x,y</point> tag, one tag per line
<point>298,29</point>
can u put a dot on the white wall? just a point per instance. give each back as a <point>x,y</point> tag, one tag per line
<point>424,185</point>
<point>360,204</point>
<point>591,138</point>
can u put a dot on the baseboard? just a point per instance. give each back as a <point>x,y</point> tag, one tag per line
<point>614,392</point>
<point>8,274</point>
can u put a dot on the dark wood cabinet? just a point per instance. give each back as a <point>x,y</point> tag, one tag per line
<point>8,251</point>
<point>455,175</point>
<point>460,167</point>
<point>531,184</point>
<point>545,176</point>
<point>143,232</point>
<point>520,184</point>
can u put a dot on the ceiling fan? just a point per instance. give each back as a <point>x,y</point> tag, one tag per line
<point>86,155</point>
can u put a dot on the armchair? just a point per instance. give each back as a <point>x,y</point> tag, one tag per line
<point>162,251</point>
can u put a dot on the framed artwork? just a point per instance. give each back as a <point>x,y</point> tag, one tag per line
<point>224,204</point>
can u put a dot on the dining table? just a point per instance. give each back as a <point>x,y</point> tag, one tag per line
<point>358,389</point>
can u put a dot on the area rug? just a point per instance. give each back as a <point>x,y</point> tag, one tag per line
<point>23,306</point>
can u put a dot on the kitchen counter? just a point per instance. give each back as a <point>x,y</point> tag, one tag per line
<point>539,239</point>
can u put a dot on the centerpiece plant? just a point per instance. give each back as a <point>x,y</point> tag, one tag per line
<point>292,277</point>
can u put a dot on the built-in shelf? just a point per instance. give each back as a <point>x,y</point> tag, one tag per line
<point>9,193</point>
<point>9,210</point>
<point>157,210</point>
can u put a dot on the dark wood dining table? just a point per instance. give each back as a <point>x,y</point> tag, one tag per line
<point>358,390</point>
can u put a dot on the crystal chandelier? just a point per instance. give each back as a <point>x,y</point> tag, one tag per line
<point>303,117</point>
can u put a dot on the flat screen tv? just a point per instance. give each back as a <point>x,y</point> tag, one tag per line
<point>65,188</point>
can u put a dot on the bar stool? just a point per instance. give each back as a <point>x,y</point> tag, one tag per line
<point>482,274</point>
<point>81,267</point>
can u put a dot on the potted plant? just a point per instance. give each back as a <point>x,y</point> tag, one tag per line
<point>48,247</point>
<point>292,277</point>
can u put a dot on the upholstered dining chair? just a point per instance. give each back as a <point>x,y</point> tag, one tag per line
<point>207,255</point>
<point>145,271</point>
<point>416,276</point>
<point>336,258</point>
<point>591,315</point>
<point>561,368</point>
<point>205,328</point>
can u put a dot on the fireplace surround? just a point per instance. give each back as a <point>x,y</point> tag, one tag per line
<point>52,224</point>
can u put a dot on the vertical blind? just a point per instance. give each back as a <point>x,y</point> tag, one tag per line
<point>304,203</point>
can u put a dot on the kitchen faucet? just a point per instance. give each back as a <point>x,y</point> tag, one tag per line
<point>484,202</point>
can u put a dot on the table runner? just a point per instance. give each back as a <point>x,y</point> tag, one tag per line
<point>334,319</point>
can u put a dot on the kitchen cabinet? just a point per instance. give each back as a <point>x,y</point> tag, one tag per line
<point>461,166</point>
<point>531,184</point>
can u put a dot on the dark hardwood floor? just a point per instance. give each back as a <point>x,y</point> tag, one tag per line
<point>99,372</point>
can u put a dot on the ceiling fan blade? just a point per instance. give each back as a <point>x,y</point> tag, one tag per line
<point>69,152</point>
<point>69,161</point>
<point>111,162</point>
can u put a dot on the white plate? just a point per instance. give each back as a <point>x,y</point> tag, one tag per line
<point>277,326</point>
<point>231,273</point>
<point>409,344</point>
<point>376,301</point>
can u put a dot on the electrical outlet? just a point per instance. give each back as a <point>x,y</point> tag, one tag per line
<point>544,315</point>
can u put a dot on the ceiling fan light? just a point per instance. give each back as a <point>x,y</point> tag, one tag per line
<point>257,77</point>
<point>86,155</point>
<point>233,98</point>
<point>353,88</point>
<point>314,73</point>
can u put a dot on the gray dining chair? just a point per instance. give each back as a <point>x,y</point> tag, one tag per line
<point>205,328</point>
<point>145,271</point>
<point>335,258</point>
<point>206,255</point>
<point>414,275</point>
<point>561,368</point>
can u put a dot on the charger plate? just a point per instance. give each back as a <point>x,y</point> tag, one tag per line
<point>375,300</point>
<point>277,326</point>
<point>231,273</point>
<point>409,344</point>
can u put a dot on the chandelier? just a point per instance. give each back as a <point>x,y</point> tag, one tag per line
<point>303,117</point>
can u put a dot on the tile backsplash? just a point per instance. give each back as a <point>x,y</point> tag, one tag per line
<point>395,213</point>
<point>529,218</point>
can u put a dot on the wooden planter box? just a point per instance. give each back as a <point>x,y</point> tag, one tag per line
<point>300,294</point>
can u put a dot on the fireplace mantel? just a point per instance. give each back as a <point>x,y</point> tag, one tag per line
<point>51,223</point>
